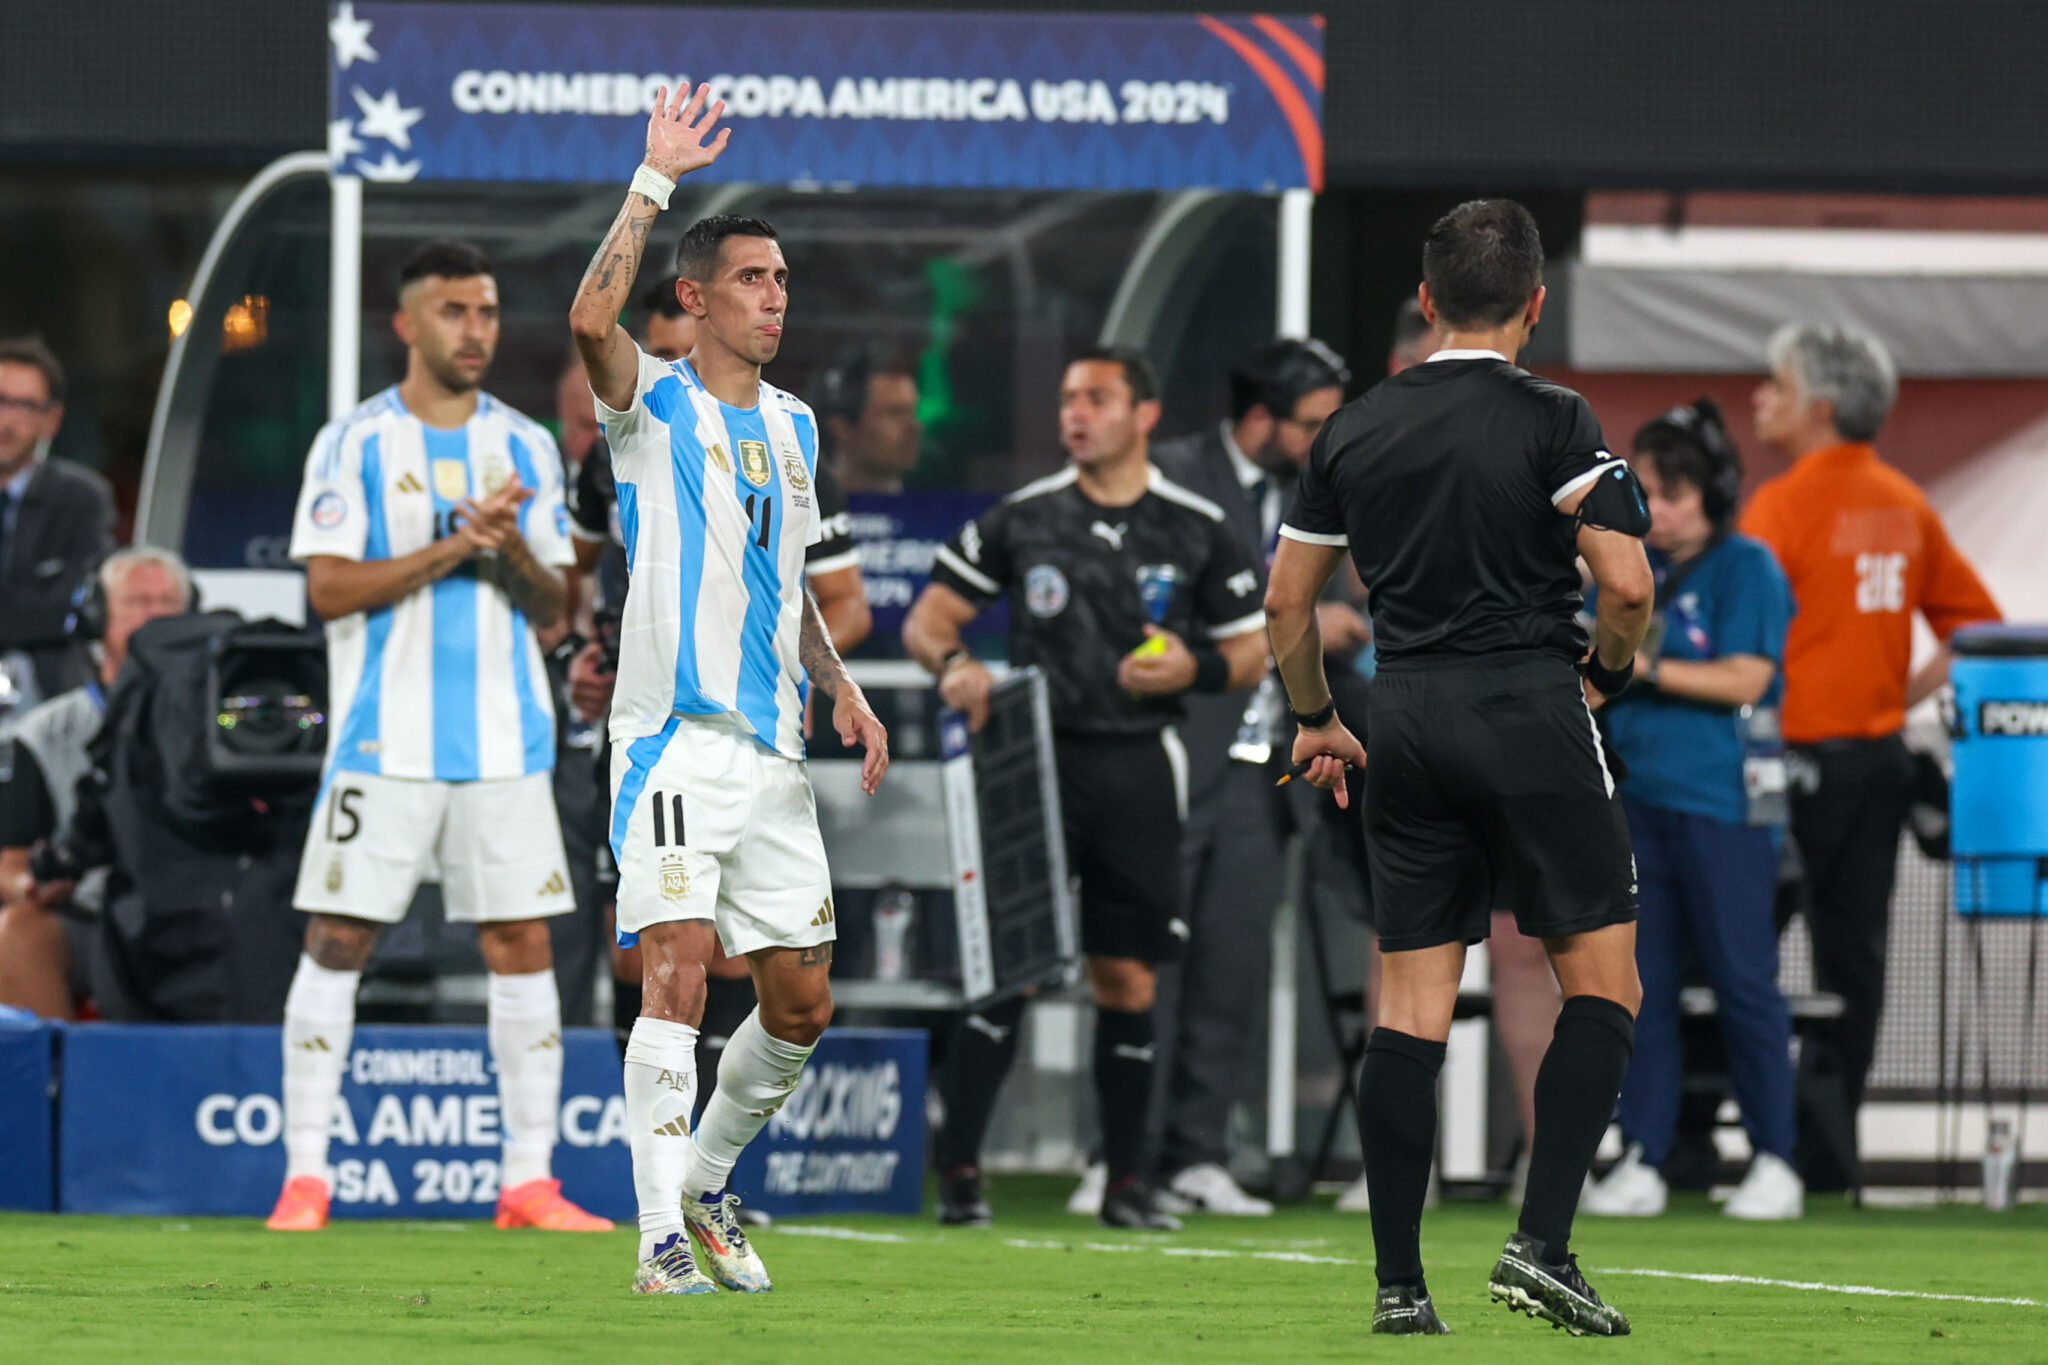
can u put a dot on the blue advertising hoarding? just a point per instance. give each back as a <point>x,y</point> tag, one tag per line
<point>187,1120</point>
<point>831,97</point>
<point>27,1152</point>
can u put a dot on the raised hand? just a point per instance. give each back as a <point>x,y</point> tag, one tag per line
<point>677,132</point>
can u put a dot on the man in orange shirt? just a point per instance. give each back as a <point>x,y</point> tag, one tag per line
<point>1863,550</point>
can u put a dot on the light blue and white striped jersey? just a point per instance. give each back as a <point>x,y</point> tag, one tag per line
<point>716,506</point>
<point>448,683</point>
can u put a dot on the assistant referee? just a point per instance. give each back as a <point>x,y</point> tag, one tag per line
<point>1104,557</point>
<point>1465,489</point>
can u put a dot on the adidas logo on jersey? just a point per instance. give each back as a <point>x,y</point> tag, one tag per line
<point>554,886</point>
<point>410,483</point>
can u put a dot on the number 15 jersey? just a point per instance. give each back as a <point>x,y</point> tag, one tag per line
<point>716,507</point>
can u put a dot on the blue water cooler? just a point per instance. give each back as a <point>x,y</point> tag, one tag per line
<point>1998,798</point>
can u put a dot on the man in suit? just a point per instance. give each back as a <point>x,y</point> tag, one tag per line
<point>1280,396</point>
<point>56,523</point>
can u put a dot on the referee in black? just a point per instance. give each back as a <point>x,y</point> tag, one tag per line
<point>1101,559</point>
<point>1465,489</point>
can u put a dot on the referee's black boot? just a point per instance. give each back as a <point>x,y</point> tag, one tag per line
<point>1558,1294</point>
<point>1130,1203</point>
<point>1406,1310</point>
<point>961,1204</point>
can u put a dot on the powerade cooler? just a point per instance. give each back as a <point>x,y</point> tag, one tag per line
<point>1999,794</point>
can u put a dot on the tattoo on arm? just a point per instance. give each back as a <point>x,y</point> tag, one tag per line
<point>609,277</point>
<point>534,588</point>
<point>827,671</point>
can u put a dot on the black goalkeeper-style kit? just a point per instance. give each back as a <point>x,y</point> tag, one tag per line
<point>1082,582</point>
<point>1487,785</point>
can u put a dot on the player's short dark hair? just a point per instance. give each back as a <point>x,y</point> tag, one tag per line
<point>844,389</point>
<point>34,351</point>
<point>659,299</point>
<point>1138,372</point>
<point>446,259</point>
<point>698,252</point>
<point>1279,373</point>
<point>1483,260</point>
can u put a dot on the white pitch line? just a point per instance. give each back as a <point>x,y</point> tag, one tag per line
<point>837,1234</point>
<point>1822,1287</point>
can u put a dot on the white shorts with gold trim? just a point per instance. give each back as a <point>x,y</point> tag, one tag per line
<point>709,823</point>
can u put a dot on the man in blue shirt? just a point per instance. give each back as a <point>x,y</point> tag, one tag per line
<point>1706,850</point>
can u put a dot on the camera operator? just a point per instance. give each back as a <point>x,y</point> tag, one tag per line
<point>1702,719</point>
<point>48,924</point>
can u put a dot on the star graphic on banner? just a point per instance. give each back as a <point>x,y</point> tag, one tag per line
<point>341,141</point>
<point>389,171</point>
<point>350,36</point>
<point>384,117</point>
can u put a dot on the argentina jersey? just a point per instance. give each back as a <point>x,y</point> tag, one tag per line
<point>448,683</point>
<point>716,508</point>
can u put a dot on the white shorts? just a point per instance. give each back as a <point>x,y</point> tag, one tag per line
<point>709,823</point>
<point>375,839</point>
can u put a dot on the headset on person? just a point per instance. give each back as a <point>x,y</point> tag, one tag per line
<point>87,622</point>
<point>1702,424</point>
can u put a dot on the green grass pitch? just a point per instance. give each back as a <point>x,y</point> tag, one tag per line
<point>1038,1286</point>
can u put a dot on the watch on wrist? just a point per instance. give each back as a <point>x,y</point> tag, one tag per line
<point>956,655</point>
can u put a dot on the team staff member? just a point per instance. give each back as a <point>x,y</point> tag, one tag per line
<point>1463,488</point>
<point>1232,857</point>
<point>1101,558</point>
<point>47,929</point>
<point>1864,551</point>
<point>1708,864</point>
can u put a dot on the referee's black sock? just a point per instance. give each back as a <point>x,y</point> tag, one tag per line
<point>1575,1092</point>
<point>978,1057</point>
<point>1397,1131</point>
<point>1123,1088</point>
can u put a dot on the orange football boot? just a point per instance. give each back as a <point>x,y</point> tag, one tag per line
<point>301,1206</point>
<point>539,1204</point>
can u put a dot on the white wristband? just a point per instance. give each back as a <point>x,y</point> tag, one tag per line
<point>653,184</point>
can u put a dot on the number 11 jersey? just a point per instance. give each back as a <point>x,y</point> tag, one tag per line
<point>717,505</point>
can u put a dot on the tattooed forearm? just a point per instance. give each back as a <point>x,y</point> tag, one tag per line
<point>537,590</point>
<point>609,278</point>
<point>827,671</point>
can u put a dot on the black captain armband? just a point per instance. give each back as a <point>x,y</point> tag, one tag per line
<point>1615,502</point>
<point>1212,670</point>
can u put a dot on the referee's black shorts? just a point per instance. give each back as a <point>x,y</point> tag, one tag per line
<point>1120,800</point>
<point>1486,787</point>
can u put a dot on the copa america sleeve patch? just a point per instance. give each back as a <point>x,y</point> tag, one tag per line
<point>330,510</point>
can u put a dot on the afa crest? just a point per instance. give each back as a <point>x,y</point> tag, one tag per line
<point>793,472</point>
<point>675,880</point>
<point>754,462</point>
<point>451,480</point>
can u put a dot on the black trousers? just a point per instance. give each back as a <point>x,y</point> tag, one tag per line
<point>1215,1011</point>
<point>1847,829</point>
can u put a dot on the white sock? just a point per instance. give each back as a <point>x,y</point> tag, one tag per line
<point>661,1093</point>
<point>319,1020</point>
<point>756,1074</point>
<point>526,1041</point>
